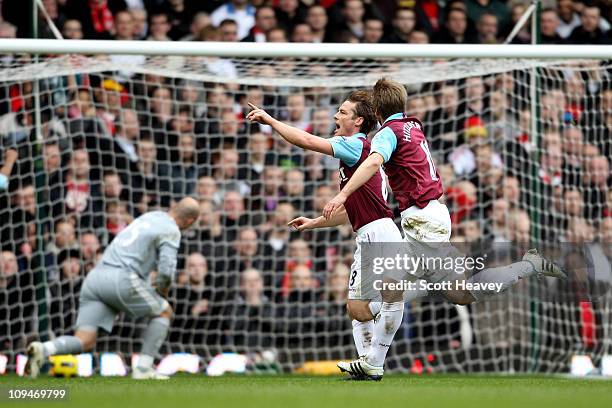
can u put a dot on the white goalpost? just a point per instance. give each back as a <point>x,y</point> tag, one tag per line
<point>106,130</point>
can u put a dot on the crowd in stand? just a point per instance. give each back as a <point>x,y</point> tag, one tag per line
<point>367,21</point>
<point>116,146</point>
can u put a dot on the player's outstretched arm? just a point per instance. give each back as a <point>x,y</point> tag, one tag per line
<point>291,134</point>
<point>365,172</point>
<point>340,217</point>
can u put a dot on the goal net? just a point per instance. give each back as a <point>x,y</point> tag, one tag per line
<point>523,148</point>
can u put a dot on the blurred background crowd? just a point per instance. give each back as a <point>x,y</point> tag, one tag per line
<point>115,145</point>
<point>365,21</point>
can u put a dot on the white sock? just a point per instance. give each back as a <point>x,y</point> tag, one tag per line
<point>62,345</point>
<point>362,335</point>
<point>386,326</point>
<point>508,276</point>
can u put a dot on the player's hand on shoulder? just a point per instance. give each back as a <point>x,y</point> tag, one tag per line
<point>258,115</point>
<point>301,223</point>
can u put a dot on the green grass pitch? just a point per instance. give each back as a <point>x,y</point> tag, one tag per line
<point>454,391</point>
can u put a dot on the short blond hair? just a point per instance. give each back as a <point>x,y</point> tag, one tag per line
<point>388,97</point>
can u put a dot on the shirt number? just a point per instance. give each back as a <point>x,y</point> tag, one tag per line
<point>432,167</point>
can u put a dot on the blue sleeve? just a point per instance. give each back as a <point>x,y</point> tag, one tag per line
<point>3,182</point>
<point>347,149</point>
<point>384,143</point>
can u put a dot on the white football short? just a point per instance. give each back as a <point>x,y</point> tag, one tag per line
<point>381,230</point>
<point>427,231</point>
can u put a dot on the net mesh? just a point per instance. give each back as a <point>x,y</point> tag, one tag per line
<point>122,135</point>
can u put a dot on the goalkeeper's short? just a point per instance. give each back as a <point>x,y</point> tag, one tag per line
<point>108,290</point>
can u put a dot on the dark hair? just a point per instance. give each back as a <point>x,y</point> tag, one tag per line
<point>228,21</point>
<point>388,97</point>
<point>363,108</point>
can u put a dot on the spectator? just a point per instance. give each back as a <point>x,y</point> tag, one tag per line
<point>519,227</point>
<point>252,318</point>
<point>589,31</point>
<point>272,183</point>
<point>471,231</point>
<point>549,25</point>
<point>596,181</point>
<point>206,190</point>
<point>276,34</point>
<point>233,215</point>
<point>124,146</point>
<point>64,239</point>
<point>179,17</point>
<point>70,270</point>
<point>578,231</point>
<point>184,173</point>
<point>8,269</point>
<point>523,36</point>
<point>297,114</point>
<point>209,235</point>
<point>81,196</point>
<point>253,173</point>
<point>265,20</point>
<point>317,20</point>
<point>573,203</point>
<point>373,31</point>
<point>228,31</point>
<point>404,22</point>
<point>477,8</point>
<point>501,124</point>
<point>72,30</point>
<point>252,288</point>
<point>487,28</point>
<point>295,191</point>
<point>7,30</point>
<point>239,11</point>
<point>225,173</point>
<point>353,12</point>
<point>140,25</point>
<point>124,26</point>
<point>455,29</point>
<point>573,142</point>
<point>289,13</point>
<point>277,236</point>
<point>551,165</point>
<point>418,37</point>
<point>150,184</point>
<point>90,249</point>
<point>570,18</point>
<point>498,221</point>
<point>302,33</point>
<point>198,23</point>
<point>159,27</point>
<point>196,269</point>
<point>96,16</point>
<point>117,218</point>
<point>446,127</point>
<point>112,188</point>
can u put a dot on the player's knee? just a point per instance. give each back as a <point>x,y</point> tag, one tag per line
<point>359,311</point>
